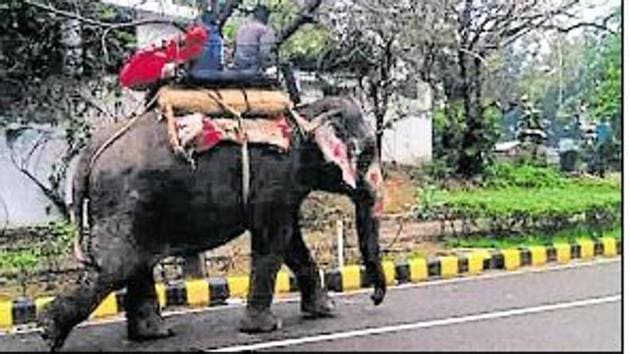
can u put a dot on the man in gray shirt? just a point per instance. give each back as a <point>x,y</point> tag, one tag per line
<point>254,41</point>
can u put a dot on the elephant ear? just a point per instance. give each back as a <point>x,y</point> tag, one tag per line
<point>336,151</point>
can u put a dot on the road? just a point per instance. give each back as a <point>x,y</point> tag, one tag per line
<point>576,307</point>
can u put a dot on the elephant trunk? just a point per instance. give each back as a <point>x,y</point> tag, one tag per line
<point>368,202</point>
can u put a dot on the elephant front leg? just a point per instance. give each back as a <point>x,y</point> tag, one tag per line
<point>142,309</point>
<point>268,247</point>
<point>315,301</point>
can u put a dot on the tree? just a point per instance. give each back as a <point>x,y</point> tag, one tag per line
<point>578,79</point>
<point>450,45</point>
<point>382,45</point>
<point>53,73</point>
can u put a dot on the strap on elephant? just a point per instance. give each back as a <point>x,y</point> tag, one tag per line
<point>245,165</point>
<point>120,132</point>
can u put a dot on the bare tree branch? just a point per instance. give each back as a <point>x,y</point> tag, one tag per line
<point>304,16</point>
<point>5,216</point>
<point>52,195</point>
<point>106,26</point>
<point>227,11</point>
<point>599,26</point>
<point>87,98</point>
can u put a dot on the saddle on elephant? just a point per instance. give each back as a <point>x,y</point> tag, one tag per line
<point>200,118</point>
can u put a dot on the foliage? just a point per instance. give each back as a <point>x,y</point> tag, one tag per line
<point>56,78</point>
<point>58,240</point>
<point>571,80</point>
<point>603,91</point>
<point>521,199</point>
<point>33,39</point>
<point>449,129</point>
<point>304,45</point>
<point>569,236</point>
<point>21,260</point>
<point>48,245</point>
<point>562,201</point>
<point>502,175</point>
<point>436,170</point>
<point>426,201</point>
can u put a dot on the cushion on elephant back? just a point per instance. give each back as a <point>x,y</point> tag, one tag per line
<point>200,132</point>
<point>258,103</point>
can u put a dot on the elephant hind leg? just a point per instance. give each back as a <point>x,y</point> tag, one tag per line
<point>64,312</point>
<point>269,244</point>
<point>114,261</point>
<point>142,309</point>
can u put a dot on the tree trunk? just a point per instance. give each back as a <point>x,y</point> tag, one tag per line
<point>73,47</point>
<point>379,115</point>
<point>474,143</point>
<point>291,83</point>
<point>379,135</point>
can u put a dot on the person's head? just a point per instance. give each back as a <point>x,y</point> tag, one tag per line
<point>261,13</point>
<point>208,18</point>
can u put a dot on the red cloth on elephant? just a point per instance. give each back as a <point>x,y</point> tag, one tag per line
<point>202,133</point>
<point>148,65</point>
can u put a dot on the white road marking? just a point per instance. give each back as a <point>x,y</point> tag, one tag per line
<point>238,303</point>
<point>418,325</point>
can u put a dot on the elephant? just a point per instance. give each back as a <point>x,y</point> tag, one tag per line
<point>145,204</point>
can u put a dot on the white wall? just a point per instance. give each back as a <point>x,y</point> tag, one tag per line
<point>147,35</point>
<point>410,140</point>
<point>26,204</point>
<point>156,9</point>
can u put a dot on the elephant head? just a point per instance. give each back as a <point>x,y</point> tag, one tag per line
<point>341,157</point>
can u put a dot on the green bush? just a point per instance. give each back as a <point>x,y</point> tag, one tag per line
<point>525,198</point>
<point>47,245</point>
<point>20,260</point>
<point>503,175</point>
<point>566,200</point>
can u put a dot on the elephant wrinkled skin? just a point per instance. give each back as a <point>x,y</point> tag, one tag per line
<point>146,204</point>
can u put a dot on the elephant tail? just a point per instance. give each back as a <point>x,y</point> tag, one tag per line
<point>80,205</point>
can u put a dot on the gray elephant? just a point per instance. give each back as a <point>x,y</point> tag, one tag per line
<point>145,204</point>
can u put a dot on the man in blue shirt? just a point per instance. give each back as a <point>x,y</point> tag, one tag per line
<point>211,58</point>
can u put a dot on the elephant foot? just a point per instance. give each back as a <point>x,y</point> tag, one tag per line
<point>53,336</point>
<point>259,321</point>
<point>322,306</point>
<point>149,328</point>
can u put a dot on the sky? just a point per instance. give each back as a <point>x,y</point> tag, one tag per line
<point>593,9</point>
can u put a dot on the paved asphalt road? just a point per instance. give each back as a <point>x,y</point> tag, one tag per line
<point>564,308</point>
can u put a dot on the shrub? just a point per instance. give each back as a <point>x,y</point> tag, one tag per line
<point>502,175</point>
<point>525,198</point>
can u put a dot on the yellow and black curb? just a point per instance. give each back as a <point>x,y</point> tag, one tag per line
<point>216,291</point>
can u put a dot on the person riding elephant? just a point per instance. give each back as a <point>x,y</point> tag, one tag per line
<point>254,41</point>
<point>212,57</point>
<point>138,203</point>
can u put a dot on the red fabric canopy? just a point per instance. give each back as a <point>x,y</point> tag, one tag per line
<point>146,66</point>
